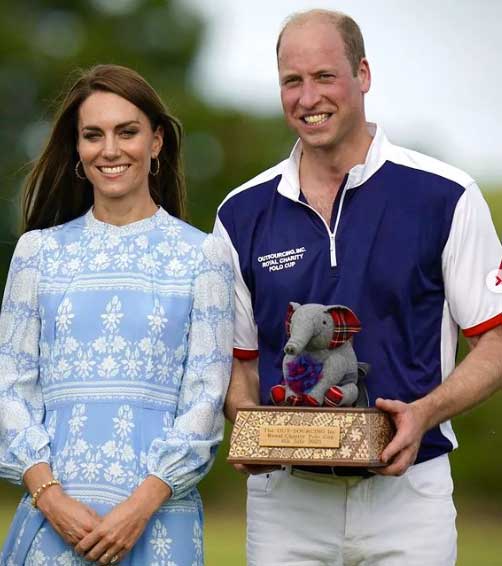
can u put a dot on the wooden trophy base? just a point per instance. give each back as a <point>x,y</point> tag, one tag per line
<point>310,436</point>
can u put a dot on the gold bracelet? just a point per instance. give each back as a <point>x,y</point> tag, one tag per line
<point>42,488</point>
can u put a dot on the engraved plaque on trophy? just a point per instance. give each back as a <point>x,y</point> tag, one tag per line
<point>310,436</point>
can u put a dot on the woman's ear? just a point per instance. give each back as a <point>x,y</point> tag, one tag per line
<point>158,140</point>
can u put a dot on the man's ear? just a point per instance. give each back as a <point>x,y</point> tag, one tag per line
<point>364,75</point>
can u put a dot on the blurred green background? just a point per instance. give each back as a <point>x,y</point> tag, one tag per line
<point>40,44</point>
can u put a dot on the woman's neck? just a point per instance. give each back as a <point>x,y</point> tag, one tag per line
<point>120,213</point>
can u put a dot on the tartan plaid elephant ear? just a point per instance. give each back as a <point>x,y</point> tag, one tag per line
<point>346,324</point>
<point>289,314</point>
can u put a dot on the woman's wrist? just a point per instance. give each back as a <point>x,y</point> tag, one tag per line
<point>49,497</point>
<point>35,496</point>
<point>150,495</point>
<point>37,475</point>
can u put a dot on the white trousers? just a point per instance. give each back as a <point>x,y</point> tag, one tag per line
<point>380,521</point>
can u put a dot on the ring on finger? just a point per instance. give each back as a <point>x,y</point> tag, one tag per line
<point>114,559</point>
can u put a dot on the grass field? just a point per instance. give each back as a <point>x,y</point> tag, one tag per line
<point>479,528</point>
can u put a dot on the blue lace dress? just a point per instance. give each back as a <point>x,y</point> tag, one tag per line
<point>115,354</point>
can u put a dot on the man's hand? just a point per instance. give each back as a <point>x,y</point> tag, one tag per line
<point>477,377</point>
<point>255,469</point>
<point>242,393</point>
<point>411,424</point>
<point>243,390</point>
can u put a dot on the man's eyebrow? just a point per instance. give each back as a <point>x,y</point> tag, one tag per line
<point>289,75</point>
<point>118,126</point>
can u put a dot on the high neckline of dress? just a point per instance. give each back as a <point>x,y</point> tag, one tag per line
<point>138,227</point>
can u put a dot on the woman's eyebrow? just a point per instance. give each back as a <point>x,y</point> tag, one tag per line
<point>121,125</point>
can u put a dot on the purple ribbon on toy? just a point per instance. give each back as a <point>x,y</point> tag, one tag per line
<point>303,373</point>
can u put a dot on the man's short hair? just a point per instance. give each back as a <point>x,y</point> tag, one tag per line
<point>346,26</point>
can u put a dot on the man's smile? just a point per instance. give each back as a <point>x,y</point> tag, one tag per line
<point>316,119</point>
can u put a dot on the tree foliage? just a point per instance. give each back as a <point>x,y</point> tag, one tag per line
<point>43,42</point>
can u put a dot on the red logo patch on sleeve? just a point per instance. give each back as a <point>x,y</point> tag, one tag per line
<point>499,276</point>
<point>494,280</point>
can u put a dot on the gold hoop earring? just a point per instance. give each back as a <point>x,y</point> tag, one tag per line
<point>77,173</point>
<point>156,172</point>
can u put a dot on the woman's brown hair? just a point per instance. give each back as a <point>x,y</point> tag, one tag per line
<point>53,194</point>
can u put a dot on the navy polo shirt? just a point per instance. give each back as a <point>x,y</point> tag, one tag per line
<point>409,248</point>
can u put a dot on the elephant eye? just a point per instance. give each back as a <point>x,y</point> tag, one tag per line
<point>324,322</point>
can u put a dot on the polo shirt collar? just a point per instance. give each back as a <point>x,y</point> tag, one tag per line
<point>289,185</point>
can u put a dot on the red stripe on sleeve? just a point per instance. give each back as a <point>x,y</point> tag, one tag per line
<point>245,354</point>
<point>483,326</point>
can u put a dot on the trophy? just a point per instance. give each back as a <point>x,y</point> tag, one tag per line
<point>320,414</point>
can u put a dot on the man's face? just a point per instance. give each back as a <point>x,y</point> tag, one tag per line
<point>321,98</point>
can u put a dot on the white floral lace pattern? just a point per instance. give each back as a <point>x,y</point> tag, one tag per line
<point>111,354</point>
<point>112,460</point>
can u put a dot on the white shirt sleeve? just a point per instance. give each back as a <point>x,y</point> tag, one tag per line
<point>471,261</point>
<point>245,331</point>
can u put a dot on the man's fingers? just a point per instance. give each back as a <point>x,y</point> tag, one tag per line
<point>398,467</point>
<point>255,469</point>
<point>396,445</point>
<point>401,451</point>
<point>399,463</point>
<point>389,405</point>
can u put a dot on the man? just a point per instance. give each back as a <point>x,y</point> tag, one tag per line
<point>407,243</point>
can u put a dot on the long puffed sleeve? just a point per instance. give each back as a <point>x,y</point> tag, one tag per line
<point>185,452</point>
<point>23,438</point>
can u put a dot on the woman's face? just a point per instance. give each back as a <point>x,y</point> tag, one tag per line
<point>116,144</point>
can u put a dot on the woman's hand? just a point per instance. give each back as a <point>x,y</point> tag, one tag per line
<point>115,535</point>
<point>71,519</point>
<point>120,529</point>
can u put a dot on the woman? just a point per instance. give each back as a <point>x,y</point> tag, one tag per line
<point>115,346</point>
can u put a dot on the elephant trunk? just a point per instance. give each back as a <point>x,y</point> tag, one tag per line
<point>299,339</point>
<point>292,348</point>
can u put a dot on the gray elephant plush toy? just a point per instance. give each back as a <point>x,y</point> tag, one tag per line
<point>320,366</point>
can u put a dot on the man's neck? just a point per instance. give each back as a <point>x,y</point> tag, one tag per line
<point>328,165</point>
<point>322,170</point>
